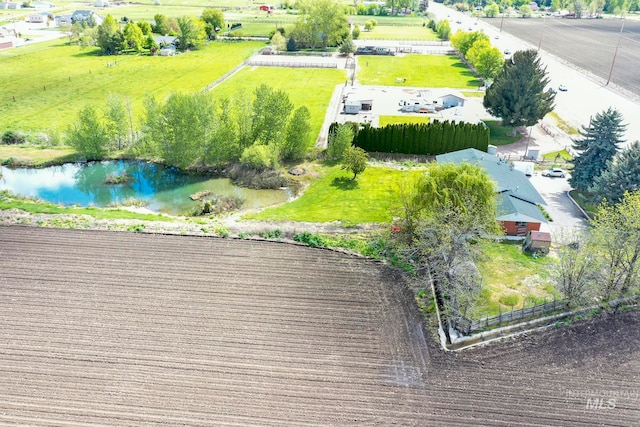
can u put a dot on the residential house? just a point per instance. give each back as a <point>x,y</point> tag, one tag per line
<point>85,15</point>
<point>518,200</point>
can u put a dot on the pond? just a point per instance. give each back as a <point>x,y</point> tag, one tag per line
<point>161,188</point>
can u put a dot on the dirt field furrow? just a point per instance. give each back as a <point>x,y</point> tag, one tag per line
<point>108,328</point>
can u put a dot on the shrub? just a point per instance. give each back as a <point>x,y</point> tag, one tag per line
<point>260,157</point>
<point>11,137</point>
<point>313,240</point>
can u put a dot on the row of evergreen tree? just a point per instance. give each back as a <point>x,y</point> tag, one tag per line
<point>421,138</point>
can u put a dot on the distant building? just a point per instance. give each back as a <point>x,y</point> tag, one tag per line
<point>86,15</point>
<point>43,5</point>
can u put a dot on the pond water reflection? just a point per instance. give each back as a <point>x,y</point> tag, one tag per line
<point>164,189</point>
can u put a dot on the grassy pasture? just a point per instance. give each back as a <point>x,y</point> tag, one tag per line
<point>311,87</point>
<point>419,70</point>
<point>52,81</point>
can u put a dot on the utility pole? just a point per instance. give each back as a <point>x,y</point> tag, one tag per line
<point>615,53</point>
<point>544,27</point>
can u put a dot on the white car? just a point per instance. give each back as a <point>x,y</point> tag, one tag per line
<point>554,173</point>
<point>562,88</point>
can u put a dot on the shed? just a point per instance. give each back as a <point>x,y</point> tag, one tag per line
<point>352,106</point>
<point>537,241</point>
<point>452,99</point>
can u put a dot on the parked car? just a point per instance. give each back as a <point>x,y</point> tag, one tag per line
<point>554,173</point>
<point>562,88</point>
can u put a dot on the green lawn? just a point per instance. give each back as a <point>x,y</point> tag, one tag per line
<point>52,81</point>
<point>500,135</point>
<point>508,273</point>
<point>419,70</point>
<point>311,87</point>
<point>398,32</point>
<point>392,120</point>
<point>335,197</point>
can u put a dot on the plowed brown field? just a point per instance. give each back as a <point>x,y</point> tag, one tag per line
<point>130,329</point>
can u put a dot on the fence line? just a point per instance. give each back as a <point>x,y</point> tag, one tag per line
<point>467,326</point>
<point>291,64</point>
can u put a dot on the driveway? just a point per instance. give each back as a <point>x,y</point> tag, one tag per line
<point>560,207</point>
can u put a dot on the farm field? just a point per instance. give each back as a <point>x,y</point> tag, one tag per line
<point>399,32</point>
<point>52,81</point>
<point>588,43</point>
<point>124,328</point>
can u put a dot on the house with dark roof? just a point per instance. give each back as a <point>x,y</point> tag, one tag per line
<point>518,200</point>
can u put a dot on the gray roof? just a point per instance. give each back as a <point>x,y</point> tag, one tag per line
<point>506,178</point>
<point>518,199</point>
<point>511,208</point>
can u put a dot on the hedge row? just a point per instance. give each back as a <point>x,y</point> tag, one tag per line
<point>421,138</point>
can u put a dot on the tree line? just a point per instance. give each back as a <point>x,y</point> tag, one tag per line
<point>190,129</point>
<point>420,138</point>
<point>113,37</point>
<point>476,48</point>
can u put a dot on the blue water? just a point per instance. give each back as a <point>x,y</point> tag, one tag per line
<point>163,189</point>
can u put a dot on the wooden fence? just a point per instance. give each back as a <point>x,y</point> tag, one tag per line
<point>467,326</point>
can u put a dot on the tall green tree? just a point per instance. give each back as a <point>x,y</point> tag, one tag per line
<point>339,140</point>
<point>214,20</point>
<point>271,110</point>
<point>242,114</point>
<point>355,160</point>
<point>491,10</point>
<point>463,40</point>
<point>443,29</point>
<point>615,232</point>
<point>191,33</point>
<point>116,120</point>
<point>133,37</point>
<point>296,142</point>
<point>321,23</point>
<point>518,93</point>
<point>222,147</point>
<point>162,25</point>
<point>489,62</point>
<point>109,37</point>
<point>596,147</point>
<point>88,135</point>
<point>621,175</point>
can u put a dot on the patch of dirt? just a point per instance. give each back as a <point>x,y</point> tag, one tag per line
<point>133,328</point>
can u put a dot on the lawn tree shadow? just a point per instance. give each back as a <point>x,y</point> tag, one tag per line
<point>344,183</point>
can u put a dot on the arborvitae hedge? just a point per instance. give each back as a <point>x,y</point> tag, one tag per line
<point>419,138</point>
